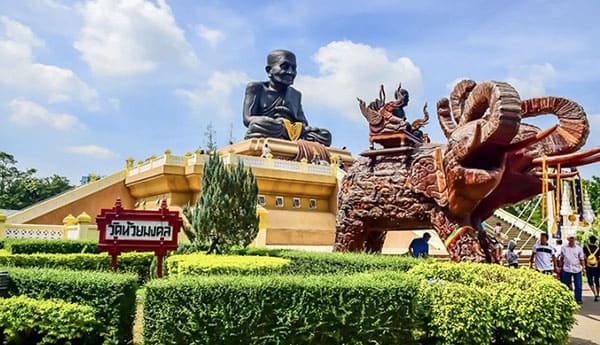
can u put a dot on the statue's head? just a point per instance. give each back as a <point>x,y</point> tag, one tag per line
<point>281,67</point>
<point>402,94</point>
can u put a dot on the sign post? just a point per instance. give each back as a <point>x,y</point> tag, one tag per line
<point>122,230</point>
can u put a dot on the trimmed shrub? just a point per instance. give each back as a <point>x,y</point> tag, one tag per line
<point>111,295</point>
<point>128,262</point>
<point>308,263</point>
<point>24,320</point>
<point>31,246</point>
<point>457,314</point>
<point>527,307</point>
<point>269,309</point>
<point>199,264</point>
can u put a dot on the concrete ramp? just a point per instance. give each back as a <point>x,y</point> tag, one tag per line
<point>89,198</point>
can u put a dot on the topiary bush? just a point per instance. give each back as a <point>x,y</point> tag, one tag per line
<point>300,262</point>
<point>274,309</point>
<point>527,307</point>
<point>31,246</point>
<point>457,314</point>
<point>25,320</point>
<point>133,262</point>
<point>111,295</point>
<point>200,264</point>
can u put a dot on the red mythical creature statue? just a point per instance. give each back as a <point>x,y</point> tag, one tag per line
<point>491,159</point>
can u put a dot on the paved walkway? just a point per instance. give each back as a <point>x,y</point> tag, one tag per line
<point>587,329</point>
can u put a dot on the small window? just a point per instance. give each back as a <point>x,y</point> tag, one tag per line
<point>278,201</point>
<point>312,203</point>
<point>262,201</point>
<point>296,202</point>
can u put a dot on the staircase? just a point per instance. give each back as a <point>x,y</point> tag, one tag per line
<point>514,228</point>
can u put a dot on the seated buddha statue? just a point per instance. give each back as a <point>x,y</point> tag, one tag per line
<point>273,109</point>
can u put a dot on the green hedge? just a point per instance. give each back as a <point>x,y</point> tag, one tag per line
<point>24,320</point>
<point>111,295</point>
<point>31,246</point>
<point>200,264</point>
<point>138,263</point>
<point>271,309</point>
<point>301,262</point>
<point>527,307</point>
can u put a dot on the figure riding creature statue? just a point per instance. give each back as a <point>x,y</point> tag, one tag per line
<point>491,159</point>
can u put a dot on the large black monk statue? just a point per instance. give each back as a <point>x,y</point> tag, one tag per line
<point>273,108</point>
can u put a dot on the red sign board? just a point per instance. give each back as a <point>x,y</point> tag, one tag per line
<point>122,230</point>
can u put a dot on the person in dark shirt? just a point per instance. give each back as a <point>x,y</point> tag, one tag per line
<point>592,267</point>
<point>419,247</point>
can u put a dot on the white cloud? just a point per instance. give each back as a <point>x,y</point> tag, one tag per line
<point>349,70</point>
<point>530,80</point>
<point>216,94</point>
<point>124,38</point>
<point>212,36</point>
<point>27,113</point>
<point>115,103</point>
<point>92,151</point>
<point>21,72</point>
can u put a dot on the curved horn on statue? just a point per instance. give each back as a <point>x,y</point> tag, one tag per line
<point>573,127</point>
<point>445,117</point>
<point>459,95</point>
<point>382,94</point>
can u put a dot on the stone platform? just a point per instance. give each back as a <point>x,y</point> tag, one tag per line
<point>280,149</point>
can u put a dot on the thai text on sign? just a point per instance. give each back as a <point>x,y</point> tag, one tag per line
<point>139,230</point>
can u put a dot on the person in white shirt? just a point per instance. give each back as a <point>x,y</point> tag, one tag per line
<point>558,246</point>
<point>572,261</point>
<point>543,256</point>
<point>498,230</point>
<point>266,150</point>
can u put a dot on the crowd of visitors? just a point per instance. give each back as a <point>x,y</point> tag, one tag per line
<point>567,262</point>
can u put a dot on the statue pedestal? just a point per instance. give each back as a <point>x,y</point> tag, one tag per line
<point>280,149</point>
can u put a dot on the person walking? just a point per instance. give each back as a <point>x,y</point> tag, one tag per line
<point>572,262</point>
<point>511,256</point>
<point>592,266</point>
<point>543,256</point>
<point>419,247</point>
<point>498,230</point>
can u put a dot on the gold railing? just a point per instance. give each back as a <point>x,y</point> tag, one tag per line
<point>189,159</point>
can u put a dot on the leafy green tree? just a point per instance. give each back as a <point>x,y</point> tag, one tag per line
<point>525,208</point>
<point>19,189</point>
<point>224,214</point>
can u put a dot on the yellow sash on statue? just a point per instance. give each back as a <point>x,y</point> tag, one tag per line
<point>293,129</point>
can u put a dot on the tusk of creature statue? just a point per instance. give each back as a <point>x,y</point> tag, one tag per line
<point>566,159</point>
<point>582,161</point>
<point>531,140</point>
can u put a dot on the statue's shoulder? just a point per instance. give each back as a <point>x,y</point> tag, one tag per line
<point>294,93</point>
<point>256,86</point>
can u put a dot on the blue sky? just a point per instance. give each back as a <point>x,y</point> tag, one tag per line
<point>84,85</point>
